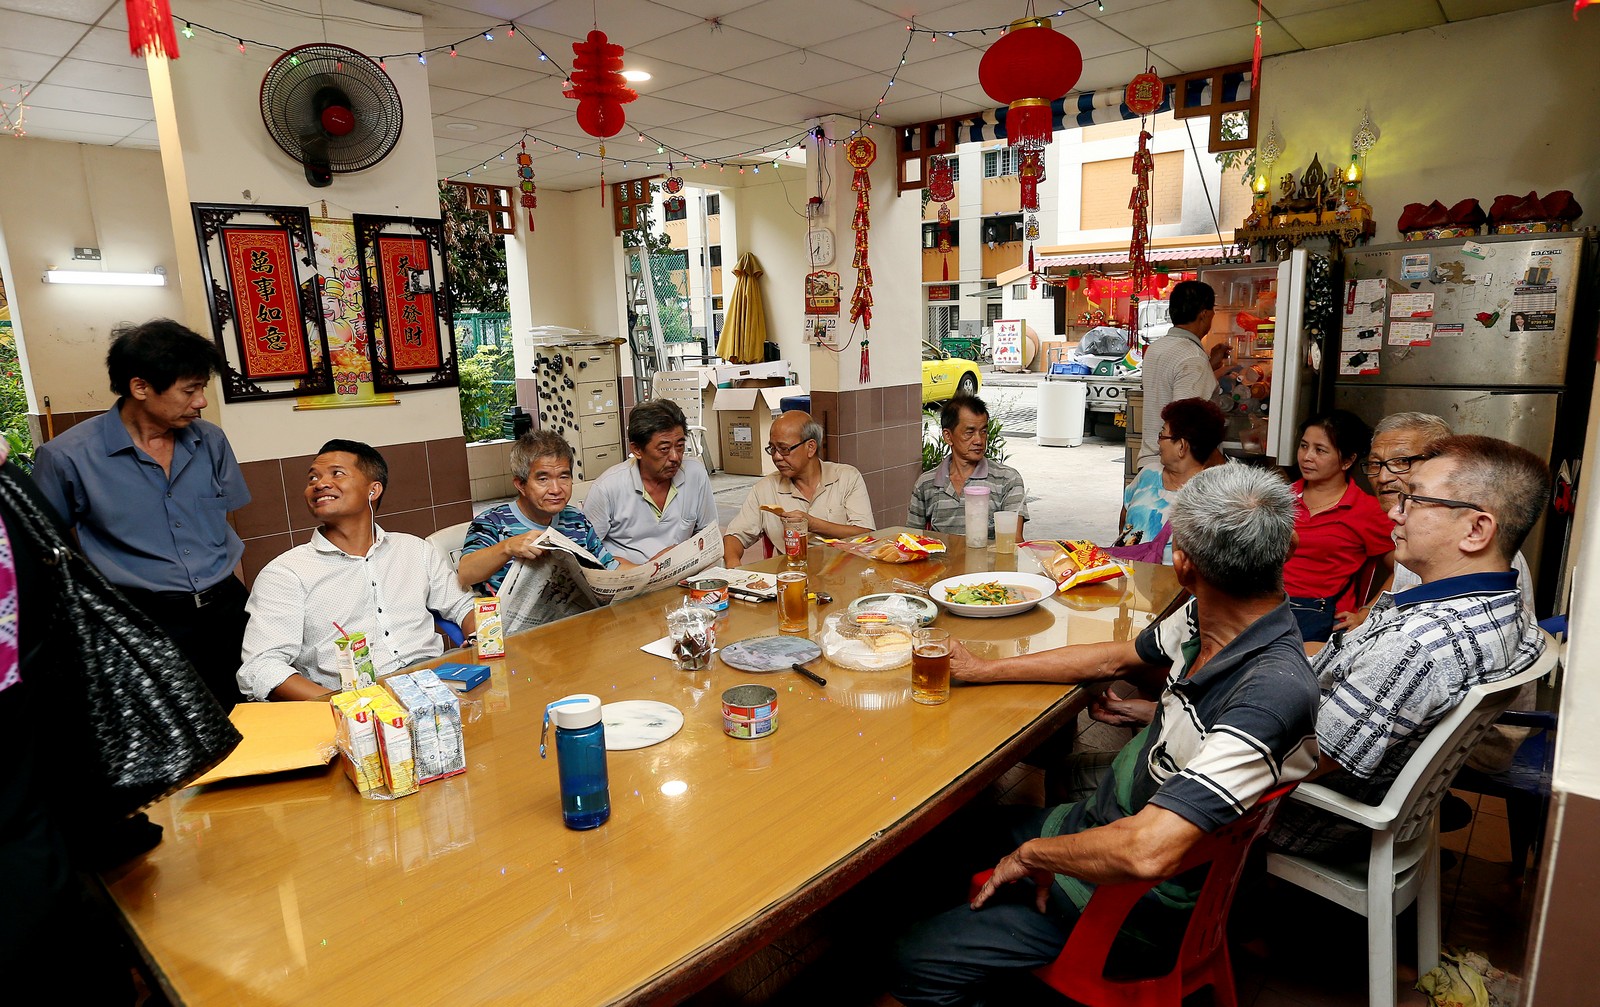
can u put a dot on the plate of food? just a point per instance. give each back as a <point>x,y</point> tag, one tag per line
<point>990,595</point>
<point>920,609</point>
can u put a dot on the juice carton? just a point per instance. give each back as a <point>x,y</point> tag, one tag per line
<point>447,720</point>
<point>394,745</point>
<point>354,662</point>
<point>424,734</point>
<point>491,640</point>
<point>356,733</point>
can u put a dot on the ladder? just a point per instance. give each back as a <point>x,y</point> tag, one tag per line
<point>644,339</point>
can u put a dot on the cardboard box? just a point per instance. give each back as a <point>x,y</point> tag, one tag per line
<point>744,419</point>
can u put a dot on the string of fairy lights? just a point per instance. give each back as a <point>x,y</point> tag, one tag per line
<point>666,154</point>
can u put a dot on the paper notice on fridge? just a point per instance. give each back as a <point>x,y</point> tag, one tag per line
<point>1410,333</point>
<point>1358,363</point>
<point>1444,329</point>
<point>1411,306</point>
<point>1363,303</point>
<point>1416,267</point>
<point>1369,339</point>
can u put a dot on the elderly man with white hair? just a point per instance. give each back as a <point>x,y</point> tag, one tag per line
<point>1236,718</point>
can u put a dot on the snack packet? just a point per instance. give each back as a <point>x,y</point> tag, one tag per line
<point>904,548</point>
<point>1074,562</point>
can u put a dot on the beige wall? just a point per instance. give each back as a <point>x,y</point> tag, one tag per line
<point>58,196</point>
<point>1478,108</point>
<point>1108,185</point>
<point>764,222</point>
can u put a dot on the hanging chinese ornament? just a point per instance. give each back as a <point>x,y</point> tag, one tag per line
<point>598,86</point>
<point>150,28</point>
<point>860,152</point>
<point>673,185</point>
<point>530,198</point>
<point>1028,68</point>
<point>941,190</point>
<point>1138,245</point>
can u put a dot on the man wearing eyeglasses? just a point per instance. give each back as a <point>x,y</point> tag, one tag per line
<point>832,498</point>
<point>1465,511</point>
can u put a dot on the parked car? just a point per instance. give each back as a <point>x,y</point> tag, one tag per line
<point>945,377</point>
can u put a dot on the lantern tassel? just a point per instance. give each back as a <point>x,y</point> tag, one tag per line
<point>1255,60</point>
<point>150,29</point>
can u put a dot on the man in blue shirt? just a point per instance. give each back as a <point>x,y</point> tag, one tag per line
<point>148,486</point>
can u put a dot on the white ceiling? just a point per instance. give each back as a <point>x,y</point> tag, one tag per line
<point>729,76</point>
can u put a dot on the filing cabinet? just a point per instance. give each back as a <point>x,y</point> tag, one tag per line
<point>580,398</point>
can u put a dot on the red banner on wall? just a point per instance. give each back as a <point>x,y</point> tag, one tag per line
<point>411,325</point>
<point>266,303</point>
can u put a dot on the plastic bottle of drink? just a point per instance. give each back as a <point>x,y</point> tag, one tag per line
<point>976,499</point>
<point>580,760</point>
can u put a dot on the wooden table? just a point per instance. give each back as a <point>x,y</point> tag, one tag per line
<point>295,890</point>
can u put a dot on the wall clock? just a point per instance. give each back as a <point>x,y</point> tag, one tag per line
<point>820,243</point>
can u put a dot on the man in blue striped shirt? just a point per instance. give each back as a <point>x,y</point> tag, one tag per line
<point>1386,684</point>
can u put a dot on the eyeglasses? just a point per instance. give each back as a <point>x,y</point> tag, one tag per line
<point>1407,498</point>
<point>774,450</point>
<point>1164,437</point>
<point>1398,466</point>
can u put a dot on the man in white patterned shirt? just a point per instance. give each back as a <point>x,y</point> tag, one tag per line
<point>1388,682</point>
<point>352,574</point>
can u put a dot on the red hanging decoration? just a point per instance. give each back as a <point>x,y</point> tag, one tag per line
<point>150,28</point>
<point>672,185</point>
<point>1577,5</point>
<point>1139,203</point>
<point>1255,60</point>
<point>1026,69</point>
<point>942,189</point>
<point>599,87</point>
<point>1145,93</point>
<point>860,152</point>
<point>525,173</point>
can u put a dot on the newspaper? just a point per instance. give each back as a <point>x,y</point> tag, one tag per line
<point>568,579</point>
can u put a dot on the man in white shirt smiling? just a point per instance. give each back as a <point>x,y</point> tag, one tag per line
<point>352,574</point>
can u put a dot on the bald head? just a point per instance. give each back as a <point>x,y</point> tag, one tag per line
<point>795,443</point>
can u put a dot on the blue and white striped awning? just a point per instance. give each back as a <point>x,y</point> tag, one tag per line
<point>1089,108</point>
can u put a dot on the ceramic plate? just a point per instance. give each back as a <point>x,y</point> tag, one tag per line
<point>1040,587</point>
<point>769,653</point>
<point>639,723</point>
<point>926,611</point>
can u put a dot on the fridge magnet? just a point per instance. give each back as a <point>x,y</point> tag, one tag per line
<point>1410,333</point>
<point>1370,340</point>
<point>1533,309</point>
<point>1487,319</point>
<point>1474,250</point>
<point>1444,330</point>
<point>1415,267</point>
<point>1358,363</point>
<point>1411,306</point>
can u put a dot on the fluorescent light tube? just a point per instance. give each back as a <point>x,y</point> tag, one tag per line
<point>105,279</point>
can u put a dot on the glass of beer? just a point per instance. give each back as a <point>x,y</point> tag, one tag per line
<point>930,667</point>
<point>1006,523</point>
<point>793,612</point>
<point>795,532</point>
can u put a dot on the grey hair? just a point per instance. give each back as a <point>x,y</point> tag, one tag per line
<point>1236,524</point>
<point>811,430</point>
<point>536,444</point>
<point>1432,426</point>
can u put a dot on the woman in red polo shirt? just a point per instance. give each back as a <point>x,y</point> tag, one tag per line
<point>1341,529</point>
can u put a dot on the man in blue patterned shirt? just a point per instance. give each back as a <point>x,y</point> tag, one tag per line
<point>541,470</point>
<point>1386,684</point>
<point>1235,720</point>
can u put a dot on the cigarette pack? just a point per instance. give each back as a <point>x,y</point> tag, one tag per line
<point>462,677</point>
<point>356,734</point>
<point>491,640</point>
<point>354,662</point>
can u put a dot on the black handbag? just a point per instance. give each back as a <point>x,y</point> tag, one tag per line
<point>136,722</point>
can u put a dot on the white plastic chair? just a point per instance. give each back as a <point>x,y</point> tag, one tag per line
<point>1403,864</point>
<point>450,541</point>
<point>683,389</point>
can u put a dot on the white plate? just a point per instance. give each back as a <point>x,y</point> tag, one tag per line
<point>924,610</point>
<point>639,723</point>
<point>1044,585</point>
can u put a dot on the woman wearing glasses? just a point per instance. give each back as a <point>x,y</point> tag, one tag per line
<point>1343,533</point>
<point>1191,429</point>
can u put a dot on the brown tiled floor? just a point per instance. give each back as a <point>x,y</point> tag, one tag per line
<point>835,958</point>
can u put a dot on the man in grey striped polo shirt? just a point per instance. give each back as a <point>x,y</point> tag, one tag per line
<point>1389,681</point>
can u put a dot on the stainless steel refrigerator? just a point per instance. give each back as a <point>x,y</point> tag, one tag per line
<point>1481,331</point>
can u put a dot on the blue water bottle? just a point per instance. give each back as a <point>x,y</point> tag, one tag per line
<point>580,760</point>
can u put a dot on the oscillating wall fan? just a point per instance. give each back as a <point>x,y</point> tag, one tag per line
<point>330,108</point>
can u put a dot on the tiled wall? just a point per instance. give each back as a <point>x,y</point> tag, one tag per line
<point>428,490</point>
<point>879,431</point>
<point>489,470</point>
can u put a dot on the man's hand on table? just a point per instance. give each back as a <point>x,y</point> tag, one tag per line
<point>964,667</point>
<point>1011,869</point>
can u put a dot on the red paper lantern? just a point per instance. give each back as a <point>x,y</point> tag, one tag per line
<point>1026,69</point>
<point>1073,283</point>
<point>598,85</point>
<point>1161,280</point>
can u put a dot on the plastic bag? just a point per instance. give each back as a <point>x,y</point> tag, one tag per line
<point>1074,562</point>
<point>906,548</point>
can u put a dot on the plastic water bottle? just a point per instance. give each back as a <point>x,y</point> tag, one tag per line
<point>976,499</point>
<point>580,760</point>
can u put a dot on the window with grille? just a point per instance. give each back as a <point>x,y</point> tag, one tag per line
<point>1002,161</point>
<point>713,204</point>
<point>943,319</point>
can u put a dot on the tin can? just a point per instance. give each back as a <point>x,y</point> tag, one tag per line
<point>709,593</point>
<point>749,711</point>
